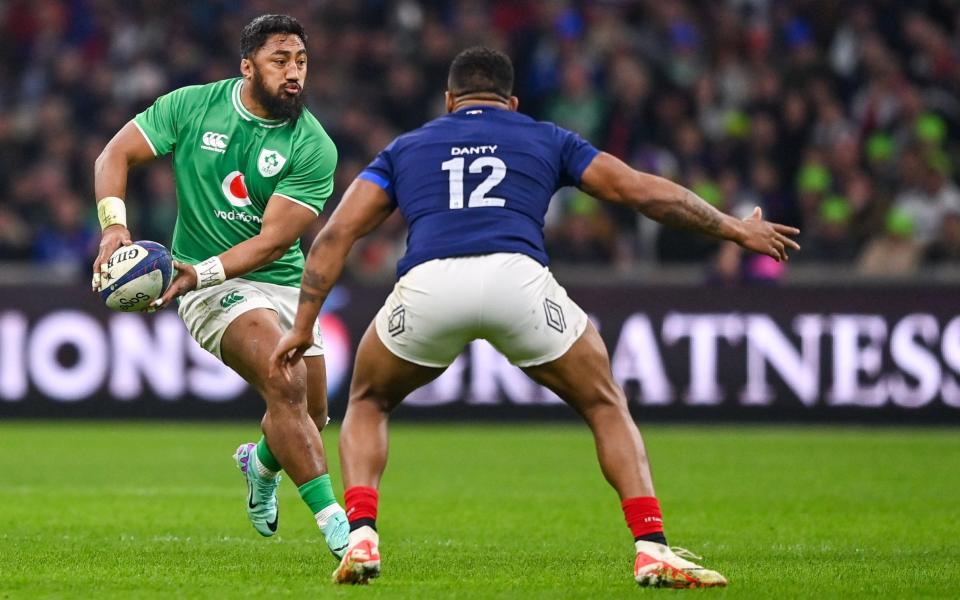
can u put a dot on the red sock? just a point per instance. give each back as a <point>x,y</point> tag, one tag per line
<point>643,516</point>
<point>361,503</point>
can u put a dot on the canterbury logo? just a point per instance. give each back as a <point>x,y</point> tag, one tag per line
<point>214,141</point>
<point>226,302</point>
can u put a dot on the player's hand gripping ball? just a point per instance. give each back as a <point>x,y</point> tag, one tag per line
<point>136,275</point>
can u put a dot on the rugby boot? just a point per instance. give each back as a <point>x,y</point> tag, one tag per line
<point>261,492</point>
<point>335,528</point>
<point>361,562</point>
<point>660,566</point>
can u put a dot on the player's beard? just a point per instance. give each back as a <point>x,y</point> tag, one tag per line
<point>279,104</point>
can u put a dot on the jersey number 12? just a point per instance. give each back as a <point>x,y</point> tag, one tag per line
<point>498,170</point>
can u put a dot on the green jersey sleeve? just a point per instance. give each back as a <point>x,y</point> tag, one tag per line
<point>162,122</point>
<point>309,180</point>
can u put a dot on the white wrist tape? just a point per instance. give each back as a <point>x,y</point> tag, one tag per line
<point>210,273</point>
<point>111,211</point>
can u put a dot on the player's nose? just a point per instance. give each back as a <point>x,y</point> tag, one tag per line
<point>292,73</point>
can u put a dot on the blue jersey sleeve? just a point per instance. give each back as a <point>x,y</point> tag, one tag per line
<point>381,172</point>
<point>576,154</point>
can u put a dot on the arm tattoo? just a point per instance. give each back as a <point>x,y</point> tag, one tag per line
<point>313,279</point>
<point>693,213</point>
<point>308,298</point>
<point>313,288</point>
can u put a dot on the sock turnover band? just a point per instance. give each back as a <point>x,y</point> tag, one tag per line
<point>643,516</point>
<point>361,503</point>
<point>318,493</point>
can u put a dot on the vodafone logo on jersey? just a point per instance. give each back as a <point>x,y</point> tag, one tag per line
<point>235,189</point>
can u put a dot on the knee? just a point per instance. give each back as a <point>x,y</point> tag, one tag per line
<point>606,400</point>
<point>281,393</point>
<point>366,396</point>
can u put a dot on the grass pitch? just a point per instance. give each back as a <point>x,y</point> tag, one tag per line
<point>135,510</point>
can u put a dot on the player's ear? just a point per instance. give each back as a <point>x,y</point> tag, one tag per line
<point>246,68</point>
<point>448,100</point>
<point>513,103</point>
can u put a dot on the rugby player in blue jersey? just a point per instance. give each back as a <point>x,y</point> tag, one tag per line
<point>474,186</point>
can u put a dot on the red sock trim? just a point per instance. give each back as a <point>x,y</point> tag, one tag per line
<point>361,503</point>
<point>643,515</point>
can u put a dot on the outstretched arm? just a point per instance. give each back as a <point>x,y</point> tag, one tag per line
<point>127,149</point>
<point>611,179</point>
<point>364,207</point>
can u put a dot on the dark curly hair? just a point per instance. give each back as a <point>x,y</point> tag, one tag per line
<point>256,32</point>
<point>481,70</point>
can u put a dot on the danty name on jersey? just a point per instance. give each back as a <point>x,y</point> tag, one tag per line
<point>472,150</point>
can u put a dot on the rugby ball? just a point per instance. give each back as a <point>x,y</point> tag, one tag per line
<point>136,275</point>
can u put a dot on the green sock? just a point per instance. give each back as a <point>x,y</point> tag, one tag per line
<point>266,457</point>
<point>318,493</point>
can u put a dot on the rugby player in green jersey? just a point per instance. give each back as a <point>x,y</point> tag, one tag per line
<point>253,169</point>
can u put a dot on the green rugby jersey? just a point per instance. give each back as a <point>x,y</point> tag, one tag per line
<point>228,162</point>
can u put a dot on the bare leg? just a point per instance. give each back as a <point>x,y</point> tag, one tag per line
<point>582,377</point>
<point>317,390</point>
<point>381,381</point>
<point>293,437</point>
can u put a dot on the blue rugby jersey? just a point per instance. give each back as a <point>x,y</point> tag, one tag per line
<point>478,181</point>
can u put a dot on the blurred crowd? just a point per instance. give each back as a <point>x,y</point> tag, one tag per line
<point>838,117</point>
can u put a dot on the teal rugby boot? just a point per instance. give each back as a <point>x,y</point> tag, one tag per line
<point>261,492</point>
<point>335,528</point>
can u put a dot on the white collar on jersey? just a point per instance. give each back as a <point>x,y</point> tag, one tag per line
<point>249,116</point>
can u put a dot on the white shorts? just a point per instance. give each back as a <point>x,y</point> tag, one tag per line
<point>208,312</point>
<point>510,300</point>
